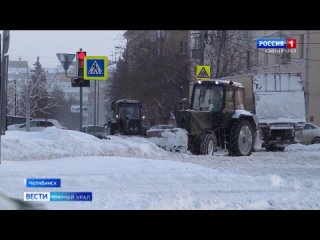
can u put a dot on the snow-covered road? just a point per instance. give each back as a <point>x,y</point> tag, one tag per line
<point>132,173</point>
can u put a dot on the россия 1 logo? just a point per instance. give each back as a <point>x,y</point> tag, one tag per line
<point>277,43</point>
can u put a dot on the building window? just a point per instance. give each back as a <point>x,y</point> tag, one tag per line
<point>301,46</point>
<point>196,43</point>
<point>248,61</point>
<point>160,34</point>
<point>195,51</point>
<point>246,37</point>
<point>277,58</point>
<point>183,47</point>
<point>266,59</point>
<point>285,57</point>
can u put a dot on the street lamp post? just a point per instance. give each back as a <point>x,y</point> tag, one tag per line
<point>15,97</point>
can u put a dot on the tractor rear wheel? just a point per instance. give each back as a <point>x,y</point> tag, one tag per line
<point>241,138</point>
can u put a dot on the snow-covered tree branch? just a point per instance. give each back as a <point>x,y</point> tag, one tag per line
<point>34,96</point>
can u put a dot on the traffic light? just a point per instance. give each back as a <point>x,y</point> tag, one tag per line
<point>80,63</point>
<point>79,81</point>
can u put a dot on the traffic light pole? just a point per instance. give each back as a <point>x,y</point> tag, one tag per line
<point>95,105</point>
<point>80,109</point>
<point>0,94</point>
<point>80,74</point>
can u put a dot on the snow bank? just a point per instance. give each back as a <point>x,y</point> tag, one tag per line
<point>301,147</point>
<point>56,143</point>
<point>264,180</point>
<point>131,183</point>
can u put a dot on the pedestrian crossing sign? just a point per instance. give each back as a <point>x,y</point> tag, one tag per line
<point>203,72</point>
<point>95,68</point>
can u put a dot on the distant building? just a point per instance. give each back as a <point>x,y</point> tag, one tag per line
<point>163,40</point>
<point>304,61</point>
<point>18,71</point>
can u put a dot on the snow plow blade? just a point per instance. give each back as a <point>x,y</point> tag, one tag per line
<point>173,140</point>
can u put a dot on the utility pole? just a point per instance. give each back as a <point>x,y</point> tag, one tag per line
<point>98,116</point>
<point>81,108</point>
<point>0,95</point>
<point>306,63</point>
<point>4,62</point>
<point>28,103</point>
<point>79,76</point>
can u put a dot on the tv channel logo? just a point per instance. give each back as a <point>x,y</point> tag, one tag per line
<point>36,196</point>
<point>277,43</point>
<point>57,196</point>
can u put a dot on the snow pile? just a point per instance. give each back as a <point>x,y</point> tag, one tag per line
<point>56,143</point>
<point>264,180</point>
<point>132,183</point>
<point>276,180</point>
<point>302,148</point>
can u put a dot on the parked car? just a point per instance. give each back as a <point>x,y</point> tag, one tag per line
<point>98,131</point>
<point>36,125</point>
<point>14,127</point>
<point>310,134</point>
<point>14,120</point>
<point>156,130</point>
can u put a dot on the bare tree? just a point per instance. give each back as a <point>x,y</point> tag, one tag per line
<point>227,52</point>
<point>158,80</point>
<point>34,97</point>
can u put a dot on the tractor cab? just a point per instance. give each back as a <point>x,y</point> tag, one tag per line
<point>127,118</point>
<point>217,118</point>
<point>218,96</point>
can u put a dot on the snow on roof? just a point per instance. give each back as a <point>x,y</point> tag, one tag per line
<point>51,70</point>
<point>128,101</point>
<point>18,64</point>
<point>223,82</point>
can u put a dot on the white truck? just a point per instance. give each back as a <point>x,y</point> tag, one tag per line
<point>279,103</point>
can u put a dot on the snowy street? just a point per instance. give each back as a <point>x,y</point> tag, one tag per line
<point>132,173</point>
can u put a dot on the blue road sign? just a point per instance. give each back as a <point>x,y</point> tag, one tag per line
<point>95,68</point>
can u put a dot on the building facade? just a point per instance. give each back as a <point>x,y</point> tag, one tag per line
<point>305,60</point>
<point>164,41</point>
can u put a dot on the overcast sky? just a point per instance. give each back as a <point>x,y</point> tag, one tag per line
<point>45,44</point>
